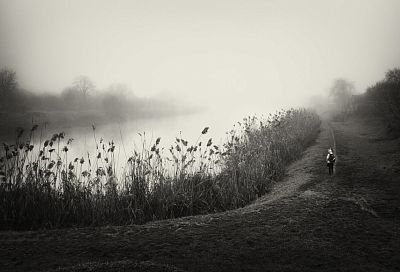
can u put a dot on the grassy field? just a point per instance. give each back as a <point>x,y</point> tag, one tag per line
<point>308,222</point>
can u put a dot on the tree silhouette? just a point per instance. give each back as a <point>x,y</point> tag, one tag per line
<point>393,76</point>
<point>342,94</point>
<point>8,80</point>
<point>84,85</point>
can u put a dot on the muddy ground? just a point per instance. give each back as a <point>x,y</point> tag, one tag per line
<point>309,222</point>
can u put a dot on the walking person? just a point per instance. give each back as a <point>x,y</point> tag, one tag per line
<point>330,160</point>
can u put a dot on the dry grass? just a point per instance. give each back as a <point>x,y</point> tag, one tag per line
<point>48,189</point>
<point>304,224</point>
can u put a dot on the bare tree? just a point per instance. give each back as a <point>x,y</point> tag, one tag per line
<point>342,94</point>
<point>393,76</point>
<point>8,80</point>
<point>84,85</point>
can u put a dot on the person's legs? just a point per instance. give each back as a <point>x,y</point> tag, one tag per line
<point>330,166</point>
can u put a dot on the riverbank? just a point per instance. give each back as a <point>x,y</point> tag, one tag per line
<point>308,222</point>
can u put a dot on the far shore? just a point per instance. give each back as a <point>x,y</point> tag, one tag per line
<point>11,121</point>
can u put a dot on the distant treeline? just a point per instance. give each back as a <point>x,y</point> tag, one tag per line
<point>383,100</point>
<point>82,99</point>
<point>115,103</point>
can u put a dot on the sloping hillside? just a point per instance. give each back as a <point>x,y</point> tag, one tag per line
<point>308,222</point>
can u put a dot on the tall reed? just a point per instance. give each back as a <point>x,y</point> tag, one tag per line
<point>49,189</point>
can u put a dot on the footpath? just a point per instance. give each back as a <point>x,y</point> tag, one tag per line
<point>308,222</point>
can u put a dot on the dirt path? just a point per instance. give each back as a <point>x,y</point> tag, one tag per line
<point>309,222</point>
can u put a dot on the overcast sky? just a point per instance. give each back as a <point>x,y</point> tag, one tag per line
<point>252,53</point>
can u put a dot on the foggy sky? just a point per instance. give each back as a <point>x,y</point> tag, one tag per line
<point>227,54</point>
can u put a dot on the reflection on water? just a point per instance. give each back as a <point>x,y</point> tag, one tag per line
<point>130,136</point>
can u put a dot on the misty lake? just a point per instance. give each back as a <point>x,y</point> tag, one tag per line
<point>132,135</point>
